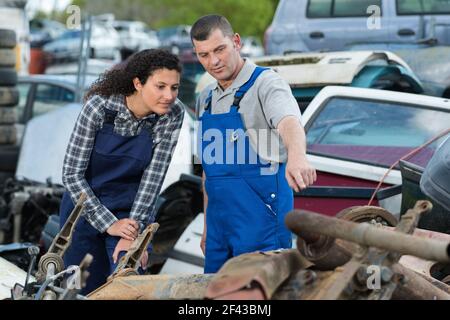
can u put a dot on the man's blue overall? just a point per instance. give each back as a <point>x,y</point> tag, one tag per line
<point>246,205</point>
<point>114,173</point>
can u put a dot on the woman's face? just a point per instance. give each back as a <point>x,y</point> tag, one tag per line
<point>160,91</point>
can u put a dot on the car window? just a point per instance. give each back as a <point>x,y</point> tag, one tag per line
<point>50,97</point>
<point>340,8</point>
<point>408,7</point>
<point>374,132</point>
<point>352,8</point>
<point>319,8</point>
<point>24,89</point>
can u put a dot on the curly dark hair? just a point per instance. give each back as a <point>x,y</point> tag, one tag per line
<point>142,64</point>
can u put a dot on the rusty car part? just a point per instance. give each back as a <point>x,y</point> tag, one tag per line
<point>153,287</point>
<point>327,253</point>
<point>255,275</point>
<point>367,235</point>
<point>129,263</point>
<point>52,262</point>
<point>371,214</point>
<point>417,287</point>
<point>350,281</point>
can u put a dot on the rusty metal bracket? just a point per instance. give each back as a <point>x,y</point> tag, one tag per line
<point>129,263</point>
<point>52,262</point>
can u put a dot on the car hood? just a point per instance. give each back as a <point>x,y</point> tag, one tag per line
<point>10,274</point>
<point>44,145</point>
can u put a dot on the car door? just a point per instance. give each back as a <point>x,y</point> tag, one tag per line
<point>420,19</point>
<point>49,97</point>
<point>404,28</point>
<point>331,24</point>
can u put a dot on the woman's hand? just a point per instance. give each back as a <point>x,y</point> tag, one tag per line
<point>125,228</point>
<point>122,245</point>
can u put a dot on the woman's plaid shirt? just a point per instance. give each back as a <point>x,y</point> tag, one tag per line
<point>165,131</point>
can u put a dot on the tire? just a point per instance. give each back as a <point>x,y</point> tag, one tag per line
<point>8,96</point>
<point>7,58</point>
<point>8,134</point>
<point>8,77</point>
<point>7,38</point>
<point>9,155</point>
<point>7,115</point>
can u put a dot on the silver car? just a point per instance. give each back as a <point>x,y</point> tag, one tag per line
<point>312,25</point>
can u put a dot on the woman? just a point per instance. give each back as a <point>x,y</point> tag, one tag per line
<point>118,154</point>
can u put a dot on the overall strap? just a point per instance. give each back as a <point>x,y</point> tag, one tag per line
<point>110,116</point>
<point>208,101</point>
<point>246,86</point>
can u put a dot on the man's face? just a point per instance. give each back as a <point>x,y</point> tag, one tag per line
<point>219,55</point>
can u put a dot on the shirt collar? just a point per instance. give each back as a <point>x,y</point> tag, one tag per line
<point>242,77</point>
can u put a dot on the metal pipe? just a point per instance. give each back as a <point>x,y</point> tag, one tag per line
<point>368,235</point>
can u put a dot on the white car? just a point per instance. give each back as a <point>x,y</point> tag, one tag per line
<point>104,44</point>
<point>135,36</point>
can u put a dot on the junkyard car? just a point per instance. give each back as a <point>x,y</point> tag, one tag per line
<point>308,73</point>
<point>310,25</point>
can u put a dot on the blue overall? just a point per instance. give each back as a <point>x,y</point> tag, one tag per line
<point>246,206</point>
<point>114,173</point>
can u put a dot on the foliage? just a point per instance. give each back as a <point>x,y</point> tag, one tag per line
<point>247,17</point>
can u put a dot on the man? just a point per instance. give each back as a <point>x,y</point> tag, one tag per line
<point>245,200</point>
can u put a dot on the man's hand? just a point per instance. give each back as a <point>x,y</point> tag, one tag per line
<point>125,228</point>
<point>299,173</point>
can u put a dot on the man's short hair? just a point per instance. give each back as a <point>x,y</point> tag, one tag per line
<point>203,27</point>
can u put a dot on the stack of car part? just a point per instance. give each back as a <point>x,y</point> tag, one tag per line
<point>9,98</point>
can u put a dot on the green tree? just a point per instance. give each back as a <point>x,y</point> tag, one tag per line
<point>247,17</point>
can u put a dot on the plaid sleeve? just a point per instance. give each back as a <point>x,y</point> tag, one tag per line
<point>153,178</point>
<point>76,162</point>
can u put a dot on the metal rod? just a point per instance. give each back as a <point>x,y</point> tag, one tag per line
<point>368,235</point>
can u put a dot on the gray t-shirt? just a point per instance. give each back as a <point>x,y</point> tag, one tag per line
<point>264,105</point>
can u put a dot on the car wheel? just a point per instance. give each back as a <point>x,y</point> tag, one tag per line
<point>7,115</point>
<point>8,77</point>
<point>7,58</point>
<point>8,134</point>
<point>8,96</point>
<point>7,38</point>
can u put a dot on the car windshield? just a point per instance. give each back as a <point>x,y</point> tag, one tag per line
<point>375,132</point>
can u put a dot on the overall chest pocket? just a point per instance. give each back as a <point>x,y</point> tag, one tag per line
<point>114,145</point>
